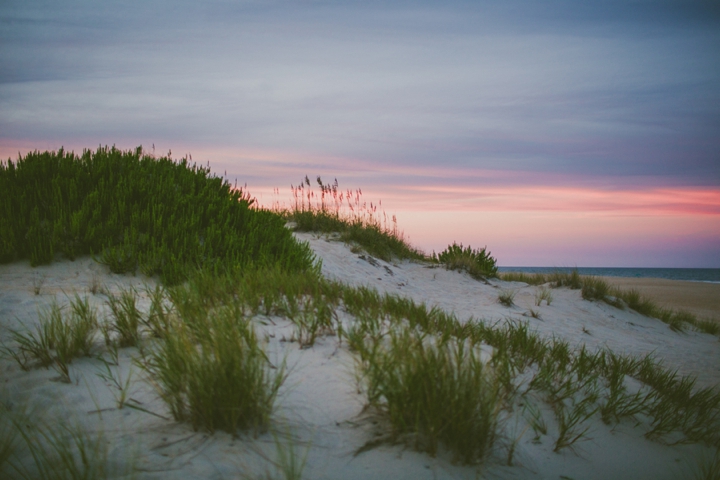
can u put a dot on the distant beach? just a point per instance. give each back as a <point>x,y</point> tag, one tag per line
<point>686,274</point>
<point>696,290</point>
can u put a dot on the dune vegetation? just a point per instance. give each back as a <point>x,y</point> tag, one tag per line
<point>347,214</point>
<point>133,211</point>
<point>432,381</point>
<point>597,289</point>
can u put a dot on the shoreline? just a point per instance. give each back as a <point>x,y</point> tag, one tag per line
<point>697,297</point>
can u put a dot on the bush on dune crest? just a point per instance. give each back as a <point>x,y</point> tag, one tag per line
<point>133,210</point>
<point>478,263</point>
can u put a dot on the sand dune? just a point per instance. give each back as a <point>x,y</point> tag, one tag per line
<point>320,411</point>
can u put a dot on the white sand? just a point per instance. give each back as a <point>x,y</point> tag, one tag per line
<point>320,407</point>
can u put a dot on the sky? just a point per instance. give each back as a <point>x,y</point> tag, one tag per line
<point>556,133</point>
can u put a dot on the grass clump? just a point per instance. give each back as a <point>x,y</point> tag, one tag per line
<point>594,288</point>
<point>571,279</point>
<point>543,294</point>
<point>478,263</point>
<point>127,319</point>
<point>58,339</point>
<point>119,385</point>
<point>332,210</point>
<point>572,422</point>
<point>680,407</point>
<point>637,302</point>
<point>54,450</point>
<point>211,372</point>
<point>65,452</point>
<point>288,463</point>
<point>132,210</point>
<point>434,392</point>
<point>708,326</point>
<point>557,278</point>
<point>507,298</point>
<point>8,436</point>
<point>529,278</point>
<point>707,467</point>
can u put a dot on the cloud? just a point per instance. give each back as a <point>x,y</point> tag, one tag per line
<point>413,84</point>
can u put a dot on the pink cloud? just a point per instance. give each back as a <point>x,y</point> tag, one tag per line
<point>643,201</point>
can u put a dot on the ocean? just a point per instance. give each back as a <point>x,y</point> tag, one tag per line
<point>711,275</point>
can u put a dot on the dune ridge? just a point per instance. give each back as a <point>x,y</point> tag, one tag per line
<point>321,420</point>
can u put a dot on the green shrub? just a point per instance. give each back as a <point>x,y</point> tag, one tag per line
<point>132,210</point>
<point>478,263</point>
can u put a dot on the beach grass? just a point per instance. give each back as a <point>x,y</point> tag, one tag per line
<point>57,339</point>
<point>578,384</point>
<point>507,297</point>
<point>433,392</point>
<point>126,318</point>
<point>529,278</point>
<point>59,449</point>
<point>543,294</point>
<point>8,436</point>
<point>211,371</point>
<point>707,467</point>
<point>345,212</point>
<point>205,361</point>
<point>288,464</point>
<point>401,344</point>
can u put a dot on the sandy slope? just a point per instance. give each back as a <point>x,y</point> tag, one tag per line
<point>320,406</point>
<point>566,317</point>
